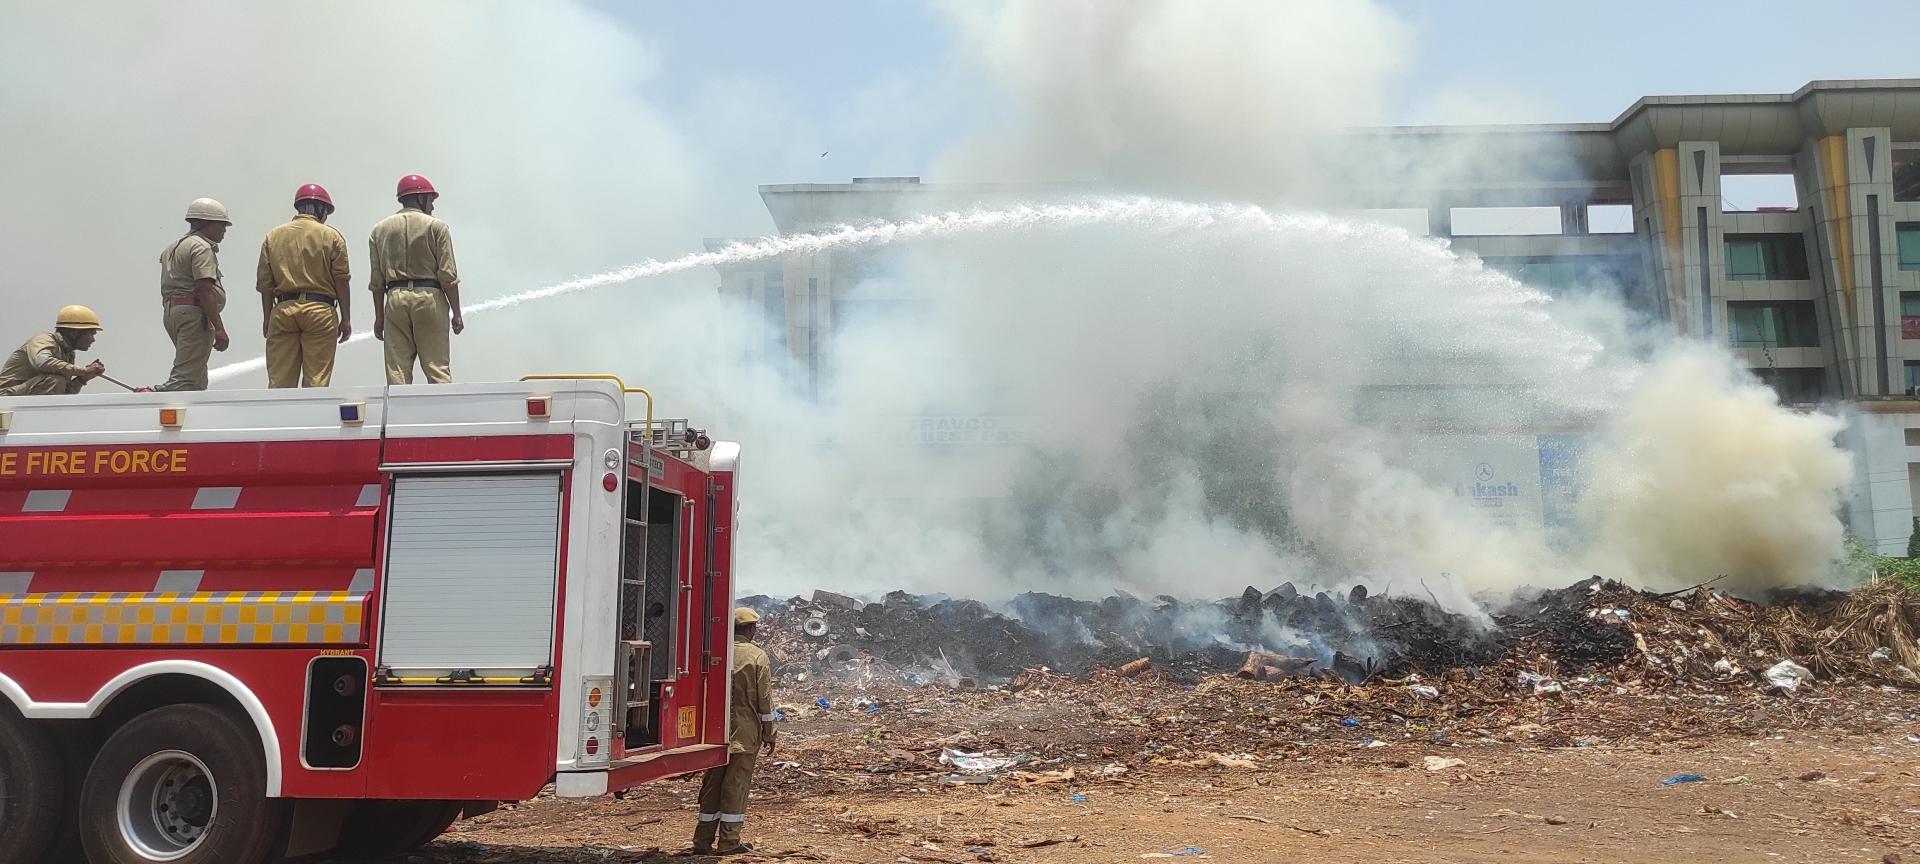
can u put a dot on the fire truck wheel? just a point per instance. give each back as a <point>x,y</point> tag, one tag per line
<point>377,829</point>
<point>184,784</point>
<point>31,788</point>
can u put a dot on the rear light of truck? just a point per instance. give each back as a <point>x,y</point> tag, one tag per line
<point>596,721</point>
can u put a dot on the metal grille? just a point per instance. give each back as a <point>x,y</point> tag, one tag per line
<point>633,560</point>
<point>661,590</point>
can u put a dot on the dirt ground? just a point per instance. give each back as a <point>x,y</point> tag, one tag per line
<point>1833,776</point>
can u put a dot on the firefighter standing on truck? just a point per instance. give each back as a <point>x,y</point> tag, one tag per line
<point>302,279</point>
<point>723,791</point>
<point>44,365</point>
<point>416,288</point>
<point>192,295</point>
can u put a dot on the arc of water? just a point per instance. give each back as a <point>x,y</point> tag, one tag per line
<point>1145,210</point>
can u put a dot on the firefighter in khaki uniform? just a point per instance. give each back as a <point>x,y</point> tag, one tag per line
<point>723,791</point>
<point>415,286</point>
<point>302,277</point>
<point>44,365</point>
<point>192,295</point>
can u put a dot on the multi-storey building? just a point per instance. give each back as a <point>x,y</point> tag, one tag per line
<point>1816,289</point>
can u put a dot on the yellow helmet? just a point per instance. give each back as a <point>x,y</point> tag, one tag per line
<point>78,318</point>
<point>744,616</point>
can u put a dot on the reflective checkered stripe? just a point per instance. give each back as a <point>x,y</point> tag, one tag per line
<point>173,618</point>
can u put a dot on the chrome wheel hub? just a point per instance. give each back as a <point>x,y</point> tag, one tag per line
<point>166,805</point>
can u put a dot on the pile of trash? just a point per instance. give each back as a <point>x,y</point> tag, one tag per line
<point>1591,630</point>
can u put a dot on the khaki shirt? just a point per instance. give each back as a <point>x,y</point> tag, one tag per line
<point>752,698</point>
<point>188,260</point>
<point>410,245</point>
<point>305,255</point>
<point>47,352</point>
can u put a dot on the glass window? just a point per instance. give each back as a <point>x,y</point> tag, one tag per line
<point>1765,256</point>
<point>1913,369</point>
<point>1908,236</point>
<point>1785,324</point>
<point>1796,386</point>
<point>1910,314</point>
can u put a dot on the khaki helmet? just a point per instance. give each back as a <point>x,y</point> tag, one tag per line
<point>78,318</point>
<point>208,210</point>
<point>744,616</point>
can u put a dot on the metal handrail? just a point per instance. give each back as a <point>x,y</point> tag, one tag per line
<point>601,376</point>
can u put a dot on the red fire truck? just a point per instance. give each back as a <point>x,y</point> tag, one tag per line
<point>236,625</point>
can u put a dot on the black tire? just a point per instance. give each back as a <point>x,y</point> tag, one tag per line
<point>196,781</point>
<point>31,788</point>
<point>377,829</point>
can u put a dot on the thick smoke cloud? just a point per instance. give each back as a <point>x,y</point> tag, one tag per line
<point>533,120</point>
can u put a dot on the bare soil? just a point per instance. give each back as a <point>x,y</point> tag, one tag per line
<point>1251,771</point>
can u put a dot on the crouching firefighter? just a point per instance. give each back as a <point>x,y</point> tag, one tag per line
<point>44,365</point>
<point>723,791</point>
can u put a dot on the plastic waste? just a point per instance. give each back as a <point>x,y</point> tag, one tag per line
<point>1540,684</point>
<point>1080,799</point>
<point>1442,763</point>
<point>1788,675</point>
<point>1683,778</point>
<point>823,703</point>
<point>1425,691</point>
<point>1190,850</point>
<point>1350,723</point>
<point>975,763</point>
<point>1880,655</point>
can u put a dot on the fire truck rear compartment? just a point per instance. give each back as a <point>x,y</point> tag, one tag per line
<point>650,602</point>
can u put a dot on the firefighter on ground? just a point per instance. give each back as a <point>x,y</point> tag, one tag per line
<point>723,791</point>
<point>416,289</point>
<point>44,365</point>
<point>192,295</point>
<point>304,298</point>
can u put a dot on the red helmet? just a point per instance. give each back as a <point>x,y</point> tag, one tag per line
<point>414,184</point>
<point>312,192</point>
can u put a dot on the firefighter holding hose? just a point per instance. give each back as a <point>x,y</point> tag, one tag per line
<point>44,365</point>
<point>416,288</point>
<point>723,790</point>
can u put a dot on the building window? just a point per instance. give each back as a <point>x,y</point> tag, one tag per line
<point>1796,386</point>
<point>1913,375</point>
<point>1906,175</point>
<point>1773,324</point>
<point>1505,221</point>
<point>1910,314</point>
<point>1907,235</point>
<point>1765,256</point>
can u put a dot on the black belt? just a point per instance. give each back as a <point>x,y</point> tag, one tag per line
<point>316,298</point>
<point>413,283</point>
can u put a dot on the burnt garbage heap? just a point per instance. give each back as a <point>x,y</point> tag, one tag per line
<point>1355,637</point>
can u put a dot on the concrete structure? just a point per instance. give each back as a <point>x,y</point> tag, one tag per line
<point>1821,299</point>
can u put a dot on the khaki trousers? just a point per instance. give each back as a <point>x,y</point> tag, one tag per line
<point>49,384</point>
<point>723,801</point>
<point>301,338</point>
<point>192,345</point>
<point>419,325</point>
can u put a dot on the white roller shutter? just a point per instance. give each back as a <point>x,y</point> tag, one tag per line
<point>471,566</point>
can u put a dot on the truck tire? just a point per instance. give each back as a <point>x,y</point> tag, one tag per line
<point>183,784</point>
<point>377,829</point>
<point>31,788</point>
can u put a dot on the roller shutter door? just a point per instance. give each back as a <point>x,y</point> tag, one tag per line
<point>471,568</point>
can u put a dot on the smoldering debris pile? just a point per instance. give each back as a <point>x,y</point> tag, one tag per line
<point>1593,628</point>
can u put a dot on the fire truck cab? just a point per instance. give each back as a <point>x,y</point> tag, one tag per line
<point>236,625</point>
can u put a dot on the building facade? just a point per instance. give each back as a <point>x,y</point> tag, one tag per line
<point>1818,293</point>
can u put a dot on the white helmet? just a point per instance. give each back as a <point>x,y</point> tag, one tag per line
<point>208,210</point>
